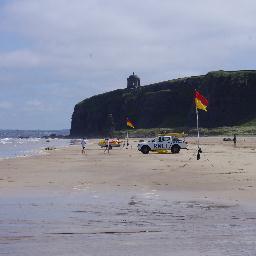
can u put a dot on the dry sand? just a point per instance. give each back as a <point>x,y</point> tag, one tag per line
<point>127,203</point>
<point>224,171</point>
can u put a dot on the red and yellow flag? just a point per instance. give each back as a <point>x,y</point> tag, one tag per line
<point>129,123</point>
<point>201,101</point>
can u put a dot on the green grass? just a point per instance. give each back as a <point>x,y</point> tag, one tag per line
<point>228,131</point>
<point>250,123</point>
<point>245,130</point>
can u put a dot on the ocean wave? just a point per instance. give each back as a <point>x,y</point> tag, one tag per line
<point>16,147</point>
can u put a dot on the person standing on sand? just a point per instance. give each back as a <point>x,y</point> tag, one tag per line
<point>107,146</point>
<point>234,139</point>
<point>83,144</point>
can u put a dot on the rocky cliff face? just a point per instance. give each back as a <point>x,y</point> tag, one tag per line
<point>231,95</point>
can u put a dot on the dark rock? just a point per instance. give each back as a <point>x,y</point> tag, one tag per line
<point>227,139</point>
<point>231,96</point>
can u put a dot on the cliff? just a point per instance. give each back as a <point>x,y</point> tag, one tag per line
<point>231,95</point>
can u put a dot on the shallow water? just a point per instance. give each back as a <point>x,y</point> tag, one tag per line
<point>14,147</point>
<point>123,223</point>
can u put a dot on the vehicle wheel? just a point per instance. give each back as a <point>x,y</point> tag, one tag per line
<point>145,149</point>
<point>175,149</point>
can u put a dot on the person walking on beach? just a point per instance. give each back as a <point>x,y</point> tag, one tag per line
<point>83,144</point>
<point>107,148</point>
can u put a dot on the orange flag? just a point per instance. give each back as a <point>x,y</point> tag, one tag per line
<point>129,123</point>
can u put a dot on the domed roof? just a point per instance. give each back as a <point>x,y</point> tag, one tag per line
<point>134,76</point>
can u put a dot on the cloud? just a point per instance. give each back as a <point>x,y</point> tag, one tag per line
<point>32,104</point>
<point>19,59</point>
<point>88,35</point>
<point>74,49</point>
<point>5,105</point>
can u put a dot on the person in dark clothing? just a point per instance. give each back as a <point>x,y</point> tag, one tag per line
<point>234,139</point>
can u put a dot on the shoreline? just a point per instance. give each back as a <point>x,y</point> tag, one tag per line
<point>11,148</point>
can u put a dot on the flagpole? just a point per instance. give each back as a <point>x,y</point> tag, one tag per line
<point>201,103</point>
<point>199,150</point>
<point>127,140</point>
<point>197,125</point>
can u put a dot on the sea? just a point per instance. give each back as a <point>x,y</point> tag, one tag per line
<point>21,143</point>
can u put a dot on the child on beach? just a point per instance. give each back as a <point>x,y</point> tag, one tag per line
<point>107,148</point>
<point>83,144</point>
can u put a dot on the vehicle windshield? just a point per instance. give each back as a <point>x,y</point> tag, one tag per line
<point>175,139</point>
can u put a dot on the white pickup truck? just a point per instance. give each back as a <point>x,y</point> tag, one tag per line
<point>163,143</point>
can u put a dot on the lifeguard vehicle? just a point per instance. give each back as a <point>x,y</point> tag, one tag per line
<point>164,143</point>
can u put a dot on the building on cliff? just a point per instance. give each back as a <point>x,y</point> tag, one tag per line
<point>133,81</point>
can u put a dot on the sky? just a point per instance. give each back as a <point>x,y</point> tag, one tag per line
<point>55,53</point>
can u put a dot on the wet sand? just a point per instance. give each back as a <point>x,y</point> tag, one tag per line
<point>127,203</point>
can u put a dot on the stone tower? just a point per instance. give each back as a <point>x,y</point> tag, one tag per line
<point>133,81</point>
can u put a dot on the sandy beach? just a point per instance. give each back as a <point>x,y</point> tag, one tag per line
<point>127,203</point>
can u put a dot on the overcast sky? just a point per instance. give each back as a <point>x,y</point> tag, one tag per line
<point>55,53</point>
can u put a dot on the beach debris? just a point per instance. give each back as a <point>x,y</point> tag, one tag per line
<point>50,148</point>
<point>132,202</point>
<point>227,139</point>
